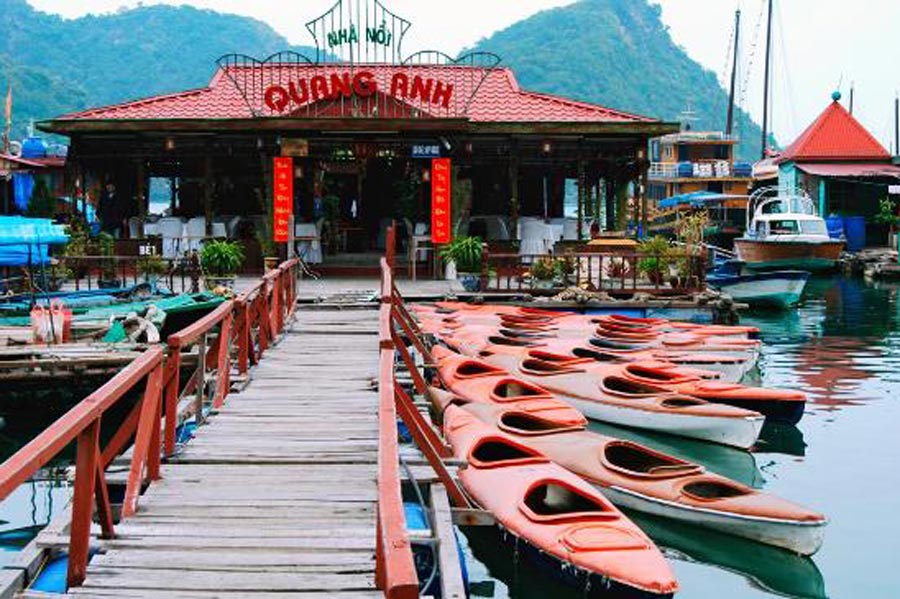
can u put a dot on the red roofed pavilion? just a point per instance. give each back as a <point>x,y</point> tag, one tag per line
<point>362,125</point>
<point>839,161</point>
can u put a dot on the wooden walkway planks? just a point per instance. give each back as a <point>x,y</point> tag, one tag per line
<point>276,494</point>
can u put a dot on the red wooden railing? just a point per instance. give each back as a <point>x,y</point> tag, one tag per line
<point>395,573</point>
<point>246,325</point>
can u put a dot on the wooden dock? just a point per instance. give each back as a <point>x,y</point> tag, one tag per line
<point>276,495</point>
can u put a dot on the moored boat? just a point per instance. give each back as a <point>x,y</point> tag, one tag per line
<point>785,232</point>
<point>624,403</point>
<point>634,476</point>
<point>562,523</point>
<point>771,289</point>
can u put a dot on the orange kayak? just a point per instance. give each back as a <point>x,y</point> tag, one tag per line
<point>526,317</point>
<point>583,377</point>
<point>557,520</point>
<point>637,477</point>
<point>623,402</point>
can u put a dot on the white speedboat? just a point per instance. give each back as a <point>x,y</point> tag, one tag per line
<point>785,232</point>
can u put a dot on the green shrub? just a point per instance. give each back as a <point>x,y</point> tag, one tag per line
<point>465,252</point>
<point>221,258</point>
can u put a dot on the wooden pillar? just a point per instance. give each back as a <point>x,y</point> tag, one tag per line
<point>621,199</point>
<point>642,195</point>
<point>583,195</point>
<point>610,197</point>
<point>208,209</point>
<point>513,192</point>
<point>140,195</point>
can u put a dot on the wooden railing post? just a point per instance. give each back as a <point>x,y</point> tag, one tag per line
<point>173,384</point>
<point>223,366</point>
<point>144,443</point>
<point>83,502</point>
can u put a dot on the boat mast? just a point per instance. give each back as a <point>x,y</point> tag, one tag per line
<point>765,123</point>
<point>729,126</point>
<point>897,125</point>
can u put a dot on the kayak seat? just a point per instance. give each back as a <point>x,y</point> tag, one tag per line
<point>520,334</point>
<point>511,342</point>
<point>515,390</point>
<point>522,423</point>
<point>636,460</point>
<point>546,356</point>
<point>597,356</point>
<point>545,368</point>
<point>713,490</point>
<point>556,501</point>
<point>471,369</point>
<point>617,385</point>
<point>605,343</point>
<point>496,452</point>
<point>660,375</point>
<point>682,402</point>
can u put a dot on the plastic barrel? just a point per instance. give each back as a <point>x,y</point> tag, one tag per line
<point>855,232</point>
<point>835,226</point>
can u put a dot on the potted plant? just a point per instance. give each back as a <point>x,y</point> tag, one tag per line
<point>268,248</point>
<point>654,265</point>
<point>463,259</point>
<point>151,268</point>
<point>565,270</point>
<point>220,262</point>
<point>543,272</point>
<point>887,216</point>
<point>106,249</point>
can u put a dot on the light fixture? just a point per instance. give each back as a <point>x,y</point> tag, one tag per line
<point>426,175</point>
<point>640,154</point>
<point>547,147</point>
<point>170,144</point>
<point>469,147</point>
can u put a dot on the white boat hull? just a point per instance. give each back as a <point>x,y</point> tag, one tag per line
<point>774,291</point>
<point>803,538</point>
<point>736,432</point>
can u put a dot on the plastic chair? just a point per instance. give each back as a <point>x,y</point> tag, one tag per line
<point>309,242</point>
<point>172,230</point>
<point>195,233</point>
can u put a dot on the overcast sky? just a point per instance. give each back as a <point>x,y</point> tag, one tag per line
<point>819,44</point>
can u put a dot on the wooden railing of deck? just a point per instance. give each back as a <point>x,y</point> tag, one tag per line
<point>260,314</point>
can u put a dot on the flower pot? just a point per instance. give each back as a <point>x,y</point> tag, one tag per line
<point>450,270</point>
<point>471,282</point>
<point>271,263</point>
<point>543,284</point>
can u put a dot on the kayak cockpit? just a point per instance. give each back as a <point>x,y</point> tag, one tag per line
<point>521,423</point>
<point>636,460</point>
<point>555,500</point>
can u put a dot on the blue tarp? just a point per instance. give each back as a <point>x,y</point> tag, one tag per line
<point>696,199</point>
<point>25,241</point>
<point>23,187</point>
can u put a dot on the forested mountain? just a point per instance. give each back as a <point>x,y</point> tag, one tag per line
<point>620,54</point>
<point>614,52</point>
<point>58,65</point>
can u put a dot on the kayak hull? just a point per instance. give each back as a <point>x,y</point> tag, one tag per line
<point>784,412</point>
<point>735,432</point>
<point>593,585</point>
<point>802,538</point>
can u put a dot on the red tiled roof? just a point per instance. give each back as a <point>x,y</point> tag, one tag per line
<point>498,99</point>
<point>837,136</point>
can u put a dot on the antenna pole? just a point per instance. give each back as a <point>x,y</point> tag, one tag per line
<point>852,85</point>
<point>729,126</point>
<point>897,125</point>
<point>765,123</point>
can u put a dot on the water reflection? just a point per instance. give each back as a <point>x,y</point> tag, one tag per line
<point>770,568</point>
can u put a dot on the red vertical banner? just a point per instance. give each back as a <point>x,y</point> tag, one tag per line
<point>441,188</point>
<point>283,202</point>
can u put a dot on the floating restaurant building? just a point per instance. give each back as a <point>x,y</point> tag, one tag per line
<point>841,164</point>
<point>362,124</point>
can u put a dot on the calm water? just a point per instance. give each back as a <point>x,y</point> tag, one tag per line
<point>843,348</point>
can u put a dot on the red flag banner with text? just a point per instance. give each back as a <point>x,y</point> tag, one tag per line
<point>440,201</point>
<point>283,206</point>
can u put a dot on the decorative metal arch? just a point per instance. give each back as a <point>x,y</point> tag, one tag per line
<point>478,66</point>
<point>359,31</point>
<point>252,77</point>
